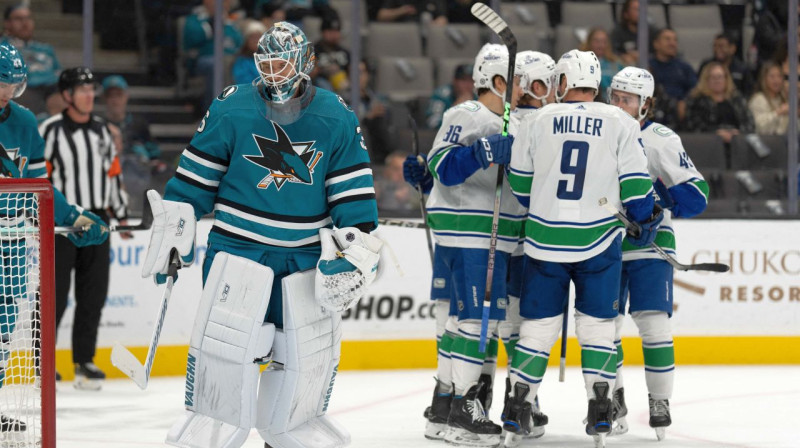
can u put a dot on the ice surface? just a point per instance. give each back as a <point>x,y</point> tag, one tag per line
<point>731,406</point>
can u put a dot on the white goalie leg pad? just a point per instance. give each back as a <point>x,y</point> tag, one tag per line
<point>229,340</point>
<point>597,335</point>
<point>292,400</point>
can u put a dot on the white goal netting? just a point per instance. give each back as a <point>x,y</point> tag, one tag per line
<point>21,422</point>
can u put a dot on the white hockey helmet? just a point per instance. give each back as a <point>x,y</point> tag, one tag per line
<point>492,60</point>
<point>581,69</point>
<point>637,81</point>
<point>536,66</point>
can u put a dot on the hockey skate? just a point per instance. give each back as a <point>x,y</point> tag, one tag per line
<point>618,413</point>
<point>468,424</point>
<point>659,416</point>
<point>521,420</point>
<point>437,414</point>
<point>88,376</point>
<point>598,419</point>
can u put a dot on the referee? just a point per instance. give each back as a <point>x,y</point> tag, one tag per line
<point>82,163</point>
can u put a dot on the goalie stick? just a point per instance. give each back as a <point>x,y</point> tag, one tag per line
<point>123,359</point>
<point>423,210</point>
<point>635,229</point>
<point>491,19</point>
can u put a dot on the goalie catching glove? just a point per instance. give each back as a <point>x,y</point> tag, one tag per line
<point>174,226</point>
<point>347,265</point>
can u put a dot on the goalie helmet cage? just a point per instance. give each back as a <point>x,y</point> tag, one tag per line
<point>27,311</point>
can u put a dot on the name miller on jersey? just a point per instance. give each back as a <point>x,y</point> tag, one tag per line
<point>570,124</point>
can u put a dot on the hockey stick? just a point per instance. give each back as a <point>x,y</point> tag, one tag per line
<point>562,364</point>
<point>398,222</point>
<point>123,359</point>
<point>145,224</point>
<point>635,229</point>
<point>491,19</point>
<point>415,146</point>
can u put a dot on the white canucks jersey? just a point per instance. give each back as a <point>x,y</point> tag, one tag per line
<point>668,160</point>
<point>564,159</point>
<point>521,112</point>
<point>461,215</point>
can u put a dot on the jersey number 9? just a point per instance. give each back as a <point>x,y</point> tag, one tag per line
<point>573,162</point>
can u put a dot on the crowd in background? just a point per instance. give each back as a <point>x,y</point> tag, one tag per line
<point>724,95</point>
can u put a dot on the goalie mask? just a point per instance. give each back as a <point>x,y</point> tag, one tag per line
<point>581,70</point>
<point>536,66</point>
<point>284,60</point>
<point>13,71</point>
<point>637,81</point>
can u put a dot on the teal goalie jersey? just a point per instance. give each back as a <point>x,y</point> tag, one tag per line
<point>276,184</point>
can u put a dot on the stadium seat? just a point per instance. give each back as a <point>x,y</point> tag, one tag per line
<point>453,41</point>
<point>764,208</point>
<point>394,39</point>
<point>567,39</point>
<point>525,14</point>
<point>705,150</point>
<point>722,208</point>
<point>446,68</point>
<point>744,157</point>
<point>586,14</point>
<point>656,16</point>
<point>762,184</point>
<point>345,10</point>
<point>534,38</point>
<point>696,16</point>
<point>426,137</point>
<point>695,44</point>
<point>403,79</point>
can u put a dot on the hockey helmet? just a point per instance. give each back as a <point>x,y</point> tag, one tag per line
<point>13,71</point>
<point>73,77</point>
<point>536,66</point>
<point>492,60</point>
<point>637,81</point>
<point>284,58</point>
<point>581,69</point>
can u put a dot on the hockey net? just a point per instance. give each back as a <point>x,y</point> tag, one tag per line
<point>27,322</point>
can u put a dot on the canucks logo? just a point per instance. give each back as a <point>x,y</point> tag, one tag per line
<point>285,160</point>
<point>12,164</point>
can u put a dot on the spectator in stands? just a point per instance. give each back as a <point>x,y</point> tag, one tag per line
<point>139,153</point>
<point>412,11</point>
<point>724,49</point>
<point>269,11</point>
<point>770,28</point>
<point>770,104</point>
<point>625,34</point>
<point>43,66</point>
<point>674,74</point>
<point>459,11</point>
<point>244,67</point>
<point>598,42</point>
<point>374,117</point>
<point>333,60</point>
<point>54,104</point>
<point>198,39</point>
<point>295,10</point>
<point>716,106</point>
<point>461,89</point>
<point>391,190</point>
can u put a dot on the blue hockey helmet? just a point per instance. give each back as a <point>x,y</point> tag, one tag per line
<point>13,71</point>
<point>284,58</point>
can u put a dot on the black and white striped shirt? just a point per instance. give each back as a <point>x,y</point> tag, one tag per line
<point>83,165</point>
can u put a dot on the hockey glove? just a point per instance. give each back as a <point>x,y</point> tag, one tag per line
<point>664,198</point>
<point>414,173</point>
<point>347,266</point>
<point>97,232</point>
<point>493,149</point>
<point>173,227</point>
<point>647,230</point>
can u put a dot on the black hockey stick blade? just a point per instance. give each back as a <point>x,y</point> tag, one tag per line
<point>401,223</point>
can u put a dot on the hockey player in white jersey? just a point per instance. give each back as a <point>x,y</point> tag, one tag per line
<point>538,71</point>
<point>563,161</point>
<point>646,277</point>
<point>463,162</point>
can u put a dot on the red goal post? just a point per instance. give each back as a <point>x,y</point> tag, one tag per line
<point>27,311</point>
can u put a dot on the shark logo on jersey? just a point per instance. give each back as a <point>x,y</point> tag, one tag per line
<point>12,165</point>
<point>286,161</point>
